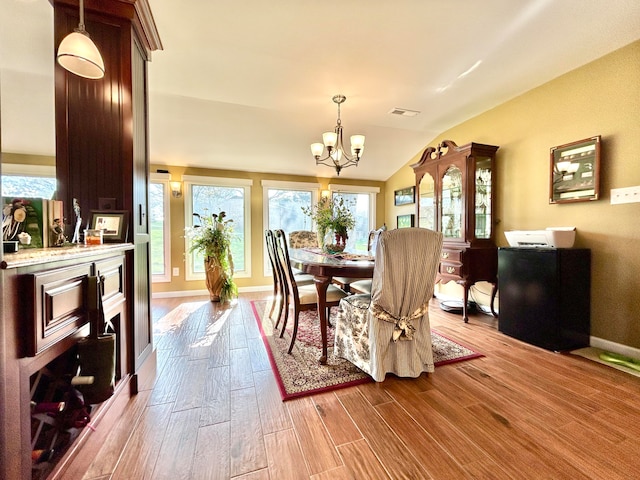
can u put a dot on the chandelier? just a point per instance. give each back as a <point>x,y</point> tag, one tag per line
<point>337,157</point>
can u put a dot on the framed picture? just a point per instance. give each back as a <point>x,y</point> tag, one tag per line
<point>406,221</point>
<point>113,223</point>
<point>405,196</point>
<point>575,171</point>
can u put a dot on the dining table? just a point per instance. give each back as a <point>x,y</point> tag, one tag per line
<point>324,267</point>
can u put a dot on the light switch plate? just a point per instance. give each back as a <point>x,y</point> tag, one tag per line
<point>625,195</point>
<point>176,271</point>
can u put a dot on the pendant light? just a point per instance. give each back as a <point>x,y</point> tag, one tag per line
<point>337,156</point>
<point>78,54</point>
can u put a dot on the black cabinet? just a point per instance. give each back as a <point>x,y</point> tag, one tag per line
<point>545,296</point>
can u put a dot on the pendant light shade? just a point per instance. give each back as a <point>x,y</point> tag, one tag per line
<point>78,54</point>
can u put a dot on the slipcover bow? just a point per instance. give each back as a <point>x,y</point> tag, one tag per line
<point>404,328</point>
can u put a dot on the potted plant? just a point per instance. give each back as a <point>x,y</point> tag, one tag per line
<point>333,217</point>
<point>342,222</point>
<point>212,238</point>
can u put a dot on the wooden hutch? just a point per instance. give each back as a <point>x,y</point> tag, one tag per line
<point>455,195</point>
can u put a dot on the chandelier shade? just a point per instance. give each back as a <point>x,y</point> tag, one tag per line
<point>337,156</point>
<point>78,54</point>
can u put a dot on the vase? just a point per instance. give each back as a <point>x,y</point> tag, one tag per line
<point>214,277</point>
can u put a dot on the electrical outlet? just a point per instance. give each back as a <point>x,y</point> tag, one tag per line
<point>176,271</point>
<point>625,195</point>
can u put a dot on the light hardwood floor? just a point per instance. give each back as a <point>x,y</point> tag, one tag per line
<point>520,412</point>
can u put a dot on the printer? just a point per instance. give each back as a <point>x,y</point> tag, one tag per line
<point>552,237</point>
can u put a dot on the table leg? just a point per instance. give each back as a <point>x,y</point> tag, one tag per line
<point>494,290</point>
<point>465,302</point>
<point>322,283</point>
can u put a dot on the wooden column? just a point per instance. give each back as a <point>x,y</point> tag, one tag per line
<point>102,136</point>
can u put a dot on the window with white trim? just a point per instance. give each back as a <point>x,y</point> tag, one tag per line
<point>37,181</point>
<point>283,202</point>
<point>209,195</point>
<point>159,227</point>
<point>362,201</point>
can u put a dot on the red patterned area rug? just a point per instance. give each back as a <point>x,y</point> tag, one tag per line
<point>301,374</point>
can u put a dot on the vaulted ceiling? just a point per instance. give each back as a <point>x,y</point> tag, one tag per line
<point>247,85</point>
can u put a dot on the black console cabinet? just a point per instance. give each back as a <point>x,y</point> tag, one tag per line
<point>545,296</point>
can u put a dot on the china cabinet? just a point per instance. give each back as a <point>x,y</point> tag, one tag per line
<point>455,195</point>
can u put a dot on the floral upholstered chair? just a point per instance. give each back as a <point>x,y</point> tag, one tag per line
<point>388,331</point>
<point>303,239</point>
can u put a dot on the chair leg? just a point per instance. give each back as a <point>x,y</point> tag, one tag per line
<point>281,299</point>
<point>286,316</point>
<point>329,317</point>
<point>295,331</point>
<point>281,304</point>
<point>275,299</point>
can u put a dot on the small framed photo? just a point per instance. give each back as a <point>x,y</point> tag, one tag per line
<point>406,221</point>
<point>405,196</point>
<point>575,171</point>
<point>113,223</point>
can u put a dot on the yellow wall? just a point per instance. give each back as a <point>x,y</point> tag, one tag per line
<point>257,279</point>
<point>28,159</point>
<point>600,98</point>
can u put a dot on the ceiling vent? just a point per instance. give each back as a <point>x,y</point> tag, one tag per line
<point>404,112</point>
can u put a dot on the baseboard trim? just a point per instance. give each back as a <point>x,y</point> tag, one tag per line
<point>197,293</point>
<point>614,347</point>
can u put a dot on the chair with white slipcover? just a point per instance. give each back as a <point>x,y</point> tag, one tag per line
<point>388,331</point>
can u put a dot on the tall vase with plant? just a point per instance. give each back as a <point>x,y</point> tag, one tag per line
<point>331,216</point>
<point>212,238</point>
<point>322,215</point>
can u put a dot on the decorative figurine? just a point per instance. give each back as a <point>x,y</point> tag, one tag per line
<point>76,210</point>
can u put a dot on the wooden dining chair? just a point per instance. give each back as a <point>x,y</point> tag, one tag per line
<point>279,281</point>
<point>388,330</point>
<point>364,285</point>
<point>299,297</point>
<point>278,286</point>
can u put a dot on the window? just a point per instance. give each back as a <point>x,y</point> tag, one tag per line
<point>19,180</point>
<point>209,195</point>
<point>159,227</point>
<point>283,203</point>
<point>363,200</point>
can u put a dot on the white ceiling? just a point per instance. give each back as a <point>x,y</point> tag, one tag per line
<point>247,85</point>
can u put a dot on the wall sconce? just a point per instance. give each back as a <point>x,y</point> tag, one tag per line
<point>176,189</point>
<point>325,193</point>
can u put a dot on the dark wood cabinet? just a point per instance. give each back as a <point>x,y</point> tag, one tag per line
<point>545,296</point>
<point>45,313</point>
<point>102,138</point>
<point>455,195</point>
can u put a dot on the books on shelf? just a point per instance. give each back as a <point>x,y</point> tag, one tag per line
<point>41,218</point>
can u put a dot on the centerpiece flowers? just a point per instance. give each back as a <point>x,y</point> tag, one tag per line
<point>331,216</point>
<point>212,238</point>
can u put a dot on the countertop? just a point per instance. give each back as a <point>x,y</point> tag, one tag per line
<point>34,256</point>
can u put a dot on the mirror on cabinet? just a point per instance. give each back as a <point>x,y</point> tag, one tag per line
<point>426,203</point>
<point>27,104</point>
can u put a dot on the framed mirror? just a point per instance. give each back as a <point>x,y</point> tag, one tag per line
<point>575,171</point>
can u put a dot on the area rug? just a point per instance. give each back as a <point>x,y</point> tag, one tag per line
<point>301,374</point>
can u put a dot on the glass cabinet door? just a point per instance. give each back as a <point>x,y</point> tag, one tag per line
<point>426,203</point>
<point>451,202</point>
<point>483,197</point>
